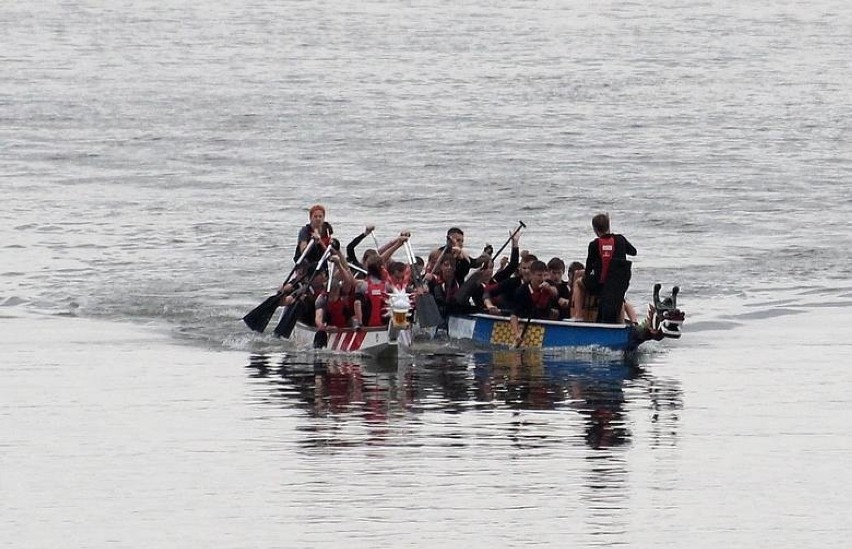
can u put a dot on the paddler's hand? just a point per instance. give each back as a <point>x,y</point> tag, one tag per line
<point>368,229</point>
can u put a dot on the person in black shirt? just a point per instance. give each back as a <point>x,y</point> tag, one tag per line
<point>534,299</point>
<point>607,274</point>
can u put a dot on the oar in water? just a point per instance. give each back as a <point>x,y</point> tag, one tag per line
<point>258,318</point>
<point>292,313</point>
<point>428,313</point>
<point>520,340</point>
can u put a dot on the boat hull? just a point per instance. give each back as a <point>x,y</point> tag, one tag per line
<point>378,342</point>
<point>496,331</point>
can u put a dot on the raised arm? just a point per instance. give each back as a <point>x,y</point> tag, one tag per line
<point>345,273</point>
<point>351,256</point>
<point>386,251</point>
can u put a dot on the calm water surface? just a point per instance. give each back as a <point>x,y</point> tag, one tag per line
<point>158,159</point>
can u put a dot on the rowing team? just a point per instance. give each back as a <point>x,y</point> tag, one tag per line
<point>349,291</point>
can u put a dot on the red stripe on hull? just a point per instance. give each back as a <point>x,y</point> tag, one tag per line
<point>347,341</point>
<point>357,341</point>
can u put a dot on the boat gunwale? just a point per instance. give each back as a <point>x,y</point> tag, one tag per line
<point>558,323</point>
<point>335,330</point>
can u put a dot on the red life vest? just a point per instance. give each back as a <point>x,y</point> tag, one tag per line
<point>606,248</point>
<point>450,288</point>
<point>540,298</point>
<point>376,296</point>
<point>338,312</point>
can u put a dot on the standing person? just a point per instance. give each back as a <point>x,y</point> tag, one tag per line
<point>607,274</point>
<point>317,229</point>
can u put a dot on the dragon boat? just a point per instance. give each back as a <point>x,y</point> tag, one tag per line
<point>663,321</point>
<point>379,342</point>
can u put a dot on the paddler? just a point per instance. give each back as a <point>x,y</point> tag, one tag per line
<point>319,230</point>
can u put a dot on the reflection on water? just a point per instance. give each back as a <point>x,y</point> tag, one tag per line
<point>534,438</point>
<point>356,401</point>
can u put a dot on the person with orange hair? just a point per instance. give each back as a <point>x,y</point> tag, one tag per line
<point>317,230</point>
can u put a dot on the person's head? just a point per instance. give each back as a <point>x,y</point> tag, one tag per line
<point>456,236</point>
<point>300,270</point>
<point>486,271</point>
<point>538,273</point>
<point>600,223</point>
<point>556,269</point>
<point>396,270</point>
<point>573,268</point>
<point>368,253</point>
<point>373,264</point>
<point>317,215</point>
<point>524,267</point>
<point>448,268</point>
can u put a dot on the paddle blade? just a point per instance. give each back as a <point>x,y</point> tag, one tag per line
<point>320,340</point>
<point>288,320</point>
<point>428,314</point>
<point>258,318</point>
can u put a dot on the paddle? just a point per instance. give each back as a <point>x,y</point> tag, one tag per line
<point>524,331</point>
<point>321,336</point>
<point>521,225</point>
<point>320,339</point>
<point>428,313</point>
<point>293,312</point>
<point>258,318</point>
<point>448,247</point>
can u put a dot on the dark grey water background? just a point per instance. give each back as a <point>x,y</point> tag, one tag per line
<point>158,158</point>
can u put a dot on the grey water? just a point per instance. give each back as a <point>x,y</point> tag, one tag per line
<point>158,158</point>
